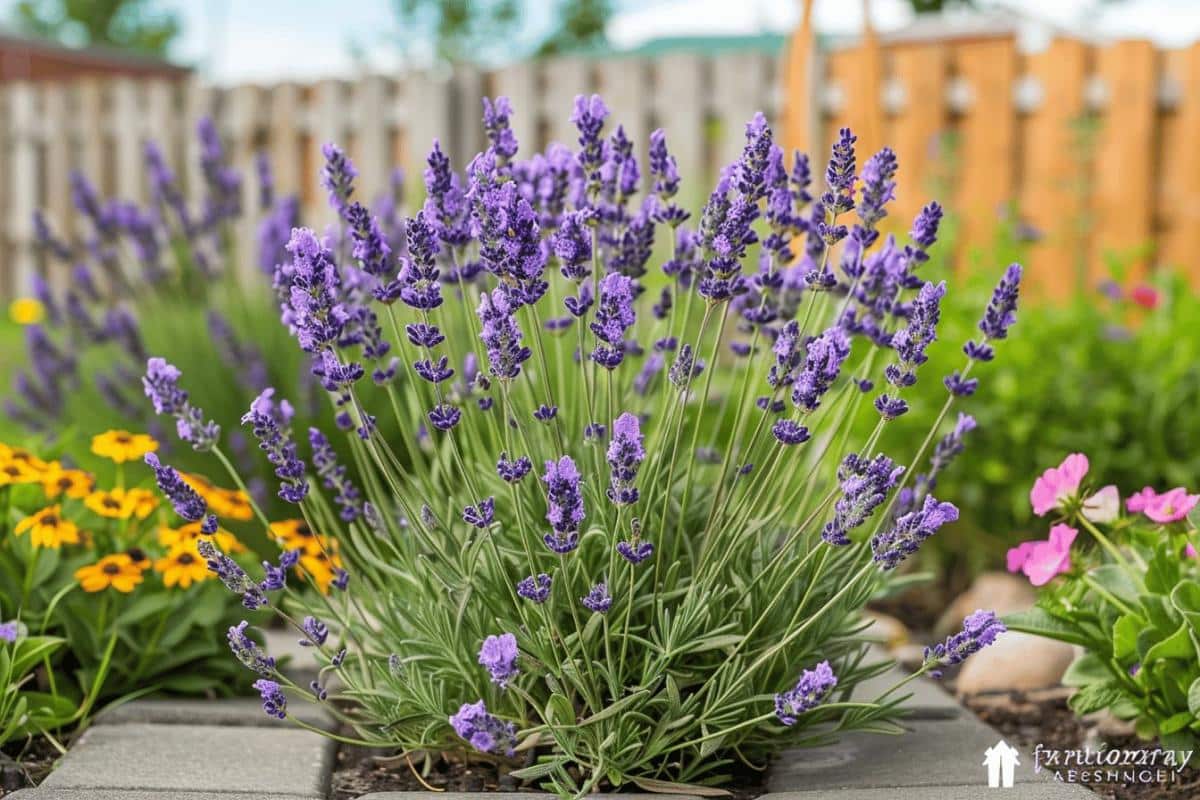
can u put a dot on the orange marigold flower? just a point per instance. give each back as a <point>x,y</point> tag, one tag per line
<point>117,571</point>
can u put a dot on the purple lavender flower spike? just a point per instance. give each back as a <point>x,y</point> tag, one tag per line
<point>484,732</point>
<point>865,483</point>
<point>572,246</point>
<point>999,316</point>
<point>498,655</point>
<point>923,234</point>
<point>878,189</point>
<point>979,630</point>
<point>823,361</point>
<point>535,589</point>
<point>501,335</point>
<point>588,118</point>
<point>911,341</point>
<point>482,514</point>
<point>564,509</point>
<point>635,552</point>
<point>233,576</point>
<point>960,386</point>
<point>9,631</point>
<point>333,474</point>
<point>184,499</point>
<point>809,692</point>
<point>270,421</point>
<point>545,413</point>
<point>274,701</point>
<point>311,290</point>
<point>788,432</point>
<point>597,599</point>
<point>909,531</point>
<point>315,632</point>
<point>625,454</point>
<point>444,416</point>
<point>161,384</point>
<point>496,125</point>
<point>514,469</point>
<point>248,652</point>
<point>337,177</point>
<point>417,281</point>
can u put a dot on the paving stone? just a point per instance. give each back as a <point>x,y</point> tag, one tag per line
<point>928,701</point>
<point>1019,791</point>
<point>124,794</point>
<point>244,711</point>
<point>300,666</point>
<point>513,796</point>
<point>216,758</point>
<point>931,753</point>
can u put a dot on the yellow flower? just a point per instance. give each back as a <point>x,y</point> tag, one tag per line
<point>138,557</point>
<point>182,566</point>
<point>20,466</point>
<point>122,446</point>
<point>190,534</point>
<point>117,571</point>
<point>294,534</point>
<point>26,311</point>
<point>49,528</point>
<point>227,503</point>
<point>319,568</point>
<point>122,503</point>
<point>74,483</point>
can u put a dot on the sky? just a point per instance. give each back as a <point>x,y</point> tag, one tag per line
<point>233,41</point>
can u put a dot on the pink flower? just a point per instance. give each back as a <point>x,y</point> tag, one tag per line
<point>1040,561</point>
<point>1104,506</point>
<point>1172,506</point>
<point>1136,503</point>
<point>1190,551</point>
<point>1058,483</point>
<point>1145,296</point>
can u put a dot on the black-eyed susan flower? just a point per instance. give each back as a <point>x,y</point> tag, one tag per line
<point>322,569</point>
<point>122,446</point>
<point>117,571</point>
<point>191,534</point>
<point>182,566</point>
<point>20,466</point>
<point>294,534</point>
<point>48,528</point>
<point>74,483</point>
<point>226,503</point>
<point>138,557</point>
<point>122,503</point>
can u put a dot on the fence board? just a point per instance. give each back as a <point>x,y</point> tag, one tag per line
<point>1179,198</point>
<point>23,198</point>
<point>1123,196</point>
<point>987,141</point>
<point>919,75</point>
<point>1054,170</point>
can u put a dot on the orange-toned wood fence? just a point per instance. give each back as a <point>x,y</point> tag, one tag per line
<point>1095,147</point>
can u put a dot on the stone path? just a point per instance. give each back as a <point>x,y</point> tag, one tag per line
<point>162,750</point>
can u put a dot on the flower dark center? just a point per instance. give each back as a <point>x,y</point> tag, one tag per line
<point>185,558</point>
<point>50,521</point>
<point>136,554</point>
<point>123,438</point>
<point>111,569</point>
<point>109,502</point>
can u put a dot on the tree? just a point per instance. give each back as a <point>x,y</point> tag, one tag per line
<point>134,25</point>
<point>474,30</point>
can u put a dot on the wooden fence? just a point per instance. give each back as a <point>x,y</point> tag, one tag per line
<point>1097,148</point>
<point>47,129</point>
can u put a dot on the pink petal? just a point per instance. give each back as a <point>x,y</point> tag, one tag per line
<point>1017,556</point>
<point>1138,502</point>
<point>1072,471</point>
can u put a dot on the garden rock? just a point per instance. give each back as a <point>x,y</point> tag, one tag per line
<point>995,591</point>
<point>885,629</point>
<point>1016,661</point>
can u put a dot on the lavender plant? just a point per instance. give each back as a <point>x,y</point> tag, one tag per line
<point>624,535</point>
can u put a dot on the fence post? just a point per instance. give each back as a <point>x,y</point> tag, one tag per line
<point>564,79</point>
<point>518,82</point>
<point>1179,165</point>
<point>681,111</point>
<point>59,128</point>
<point>627,89</point>
<point>126,122</point>
<point>919,76</point>
<point>371,120</point>
<point>23,186</point>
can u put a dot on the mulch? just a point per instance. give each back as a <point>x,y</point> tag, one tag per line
<point>24,764</point>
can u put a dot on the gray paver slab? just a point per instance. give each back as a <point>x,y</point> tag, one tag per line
<point>124,794</point>
<point>928,701</point>
<point>1019,791</point>
<point>512,796</point>
<point>243,711</point>
<point>262,761</point>
<point>931,753</point>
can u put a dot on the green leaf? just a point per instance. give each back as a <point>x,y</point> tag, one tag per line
<point>1087,669</point>
<point>1039,622</point>
<point>560,711</point>
<point>1125,633</point>
<point>1175,722</point>
<point>666,787</point>
<point>1162,572</point>
<point>1185,598</point>
<point>1194,698</point>
<point>1094,697</point>
<point>1177,645</point>
<point>1116,582</point>
<point>539,770</point>
<point>616,708</point>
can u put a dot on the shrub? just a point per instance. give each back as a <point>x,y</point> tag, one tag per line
<point>606,541</point>
<point>1133,423</point>
<point>1127,592</point>
<point>109,586</point>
